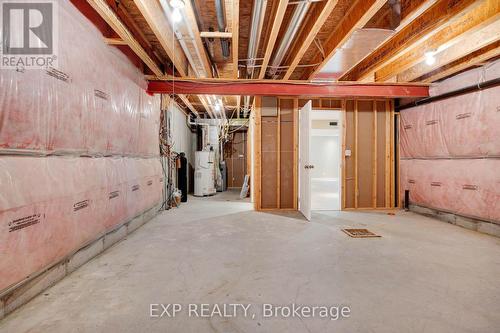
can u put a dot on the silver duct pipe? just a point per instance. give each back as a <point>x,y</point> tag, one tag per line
<point>258,13</point>
<point>293,27</point>
<point>221,21</point>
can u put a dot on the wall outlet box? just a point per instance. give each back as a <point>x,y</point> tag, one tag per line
<point>347,152</point>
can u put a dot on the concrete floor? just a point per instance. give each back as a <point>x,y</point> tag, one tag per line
<point>421,276</point>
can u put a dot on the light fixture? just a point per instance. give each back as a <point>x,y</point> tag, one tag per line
<point>176,15</point>
<point>177,4</point>
<point>429,57</point>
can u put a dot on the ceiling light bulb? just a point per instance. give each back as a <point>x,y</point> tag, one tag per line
<point>177,4</point>
<point>176,15</point>
<point>429,58</point>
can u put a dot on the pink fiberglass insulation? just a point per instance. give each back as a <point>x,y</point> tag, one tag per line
<point>96,104</point>
<point>52,206</point>
<point>450,153</point>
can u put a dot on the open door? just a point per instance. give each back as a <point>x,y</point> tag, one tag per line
<point>304,166</point>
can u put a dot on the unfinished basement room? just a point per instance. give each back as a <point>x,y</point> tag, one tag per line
<point>250,166</point>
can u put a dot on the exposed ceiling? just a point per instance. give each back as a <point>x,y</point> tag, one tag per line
<point>345,40</point>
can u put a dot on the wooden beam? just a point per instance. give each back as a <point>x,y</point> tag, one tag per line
<point>155,17</point>
<point>473,59</point>
<point>295,153</point>
<point>257,155</point>
<point>115,41</point>
<point>278,19</point>
<point>474,42</point>
<point>235,30</point>
<point>192,22</point>
<point>215,34</point>
<point>374,157</point>
<point>117,25</point>
<point>424,26</point>
<point>457,32</point>
<point>328,7</point>
<point>359,14</point>
<point>186,101</point>
<point>356,132</point>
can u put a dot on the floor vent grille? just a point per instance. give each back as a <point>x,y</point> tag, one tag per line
<point>360,233</point>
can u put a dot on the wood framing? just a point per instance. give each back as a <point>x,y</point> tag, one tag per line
<point>186,101</point>
<point>328,6</point>
<point>191,21</point>
<point>114,41</point>
<point>216,34</point>
<point>257,146</point>
<point>458,32</point>
<point>117,25</point>
<point>278,19</point>
<point>372,188</point>
<point>472,59</point>
<point>361,12</point>
<point>295,154</point>
<point>235,30</point>
<point>356,167</point>
<point>155,17</point>
<point>474,42</point>
<point>436,17</point>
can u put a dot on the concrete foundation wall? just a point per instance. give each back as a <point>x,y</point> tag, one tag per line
<point>485,227</point>
<point>24,291</point>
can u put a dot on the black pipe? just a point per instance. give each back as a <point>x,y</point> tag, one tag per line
<point>407,200</point>
<point>463,91</point>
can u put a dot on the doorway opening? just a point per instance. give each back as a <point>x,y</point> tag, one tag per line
<point>325,157</point>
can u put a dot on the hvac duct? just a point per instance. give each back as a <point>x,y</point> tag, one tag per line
<point>258,13</point>
<point>293,27</point>
<point>221,21</point>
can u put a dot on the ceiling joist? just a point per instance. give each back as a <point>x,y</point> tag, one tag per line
<point>328,6</point>
<point>420,29</point>
<point>278,19</point>
<point>101,7</point>
<point>474,42</point>
<point>457,32</point>
<point>359,14</point>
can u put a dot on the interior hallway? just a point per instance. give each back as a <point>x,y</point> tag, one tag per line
<point>421,276</point>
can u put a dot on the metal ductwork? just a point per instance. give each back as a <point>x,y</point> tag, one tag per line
<point>293,27</point>
<point>221,21</point>
<point>258,13</point>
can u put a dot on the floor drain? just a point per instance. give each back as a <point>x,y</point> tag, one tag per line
<point>360,233</point>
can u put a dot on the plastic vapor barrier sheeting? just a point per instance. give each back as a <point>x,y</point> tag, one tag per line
<point>450,154</point>
<point>79,150</point>
<point>93,103</point>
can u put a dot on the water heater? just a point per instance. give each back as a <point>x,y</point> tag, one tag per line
<point>204,173</point>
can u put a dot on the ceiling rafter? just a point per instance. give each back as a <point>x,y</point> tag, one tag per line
<point>359,14</point>
<point>457,32</point>
<point>328,7</point>
<point>278,19</point>
<point>422,27</point>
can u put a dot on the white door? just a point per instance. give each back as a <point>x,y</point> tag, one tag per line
<point>304,166</point>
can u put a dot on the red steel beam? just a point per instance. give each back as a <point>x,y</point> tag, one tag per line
<point>277,88</point>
